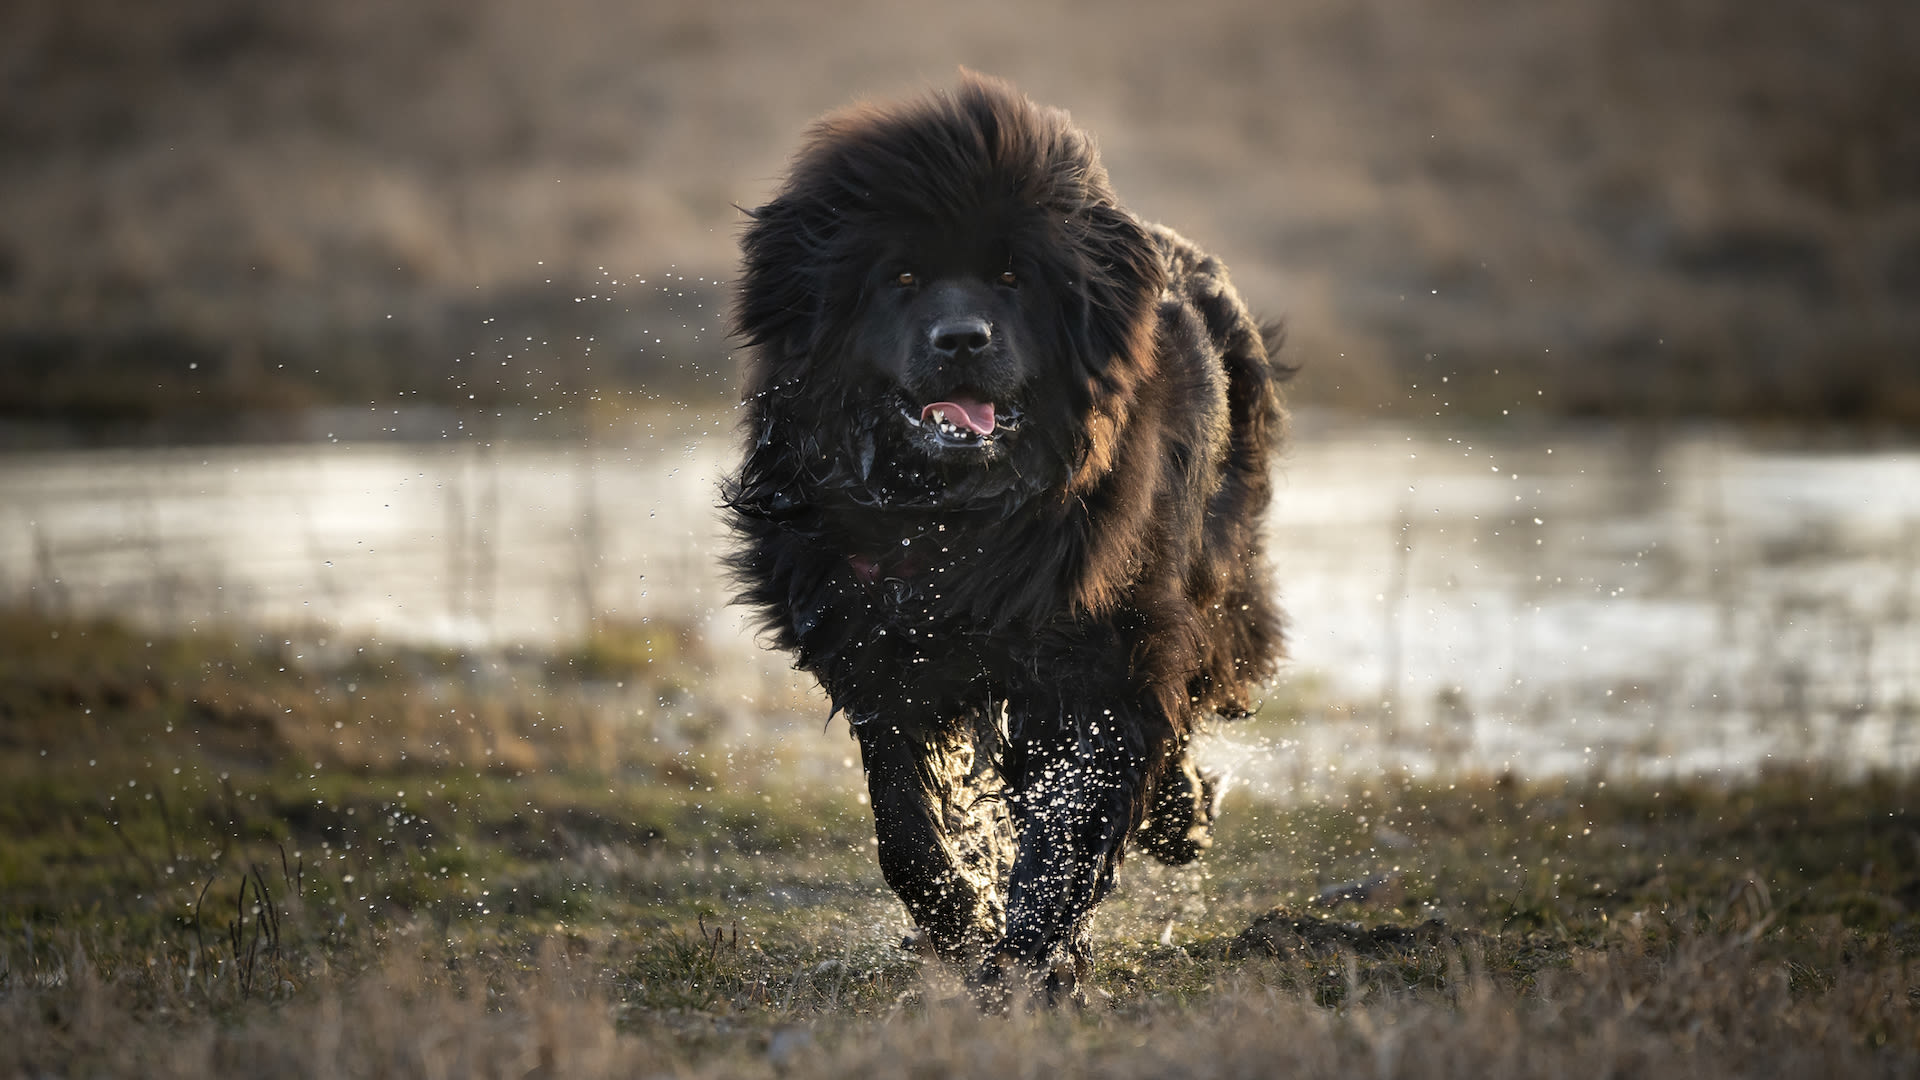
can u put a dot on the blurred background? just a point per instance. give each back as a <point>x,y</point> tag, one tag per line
<point>1704,207</point>
<point>407,323</point>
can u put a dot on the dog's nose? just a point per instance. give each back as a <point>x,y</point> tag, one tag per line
<point>967,333</point>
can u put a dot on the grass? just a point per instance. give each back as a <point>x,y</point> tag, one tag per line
<point>496,866</point>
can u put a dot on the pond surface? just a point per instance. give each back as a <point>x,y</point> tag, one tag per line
<point>1568,600</point>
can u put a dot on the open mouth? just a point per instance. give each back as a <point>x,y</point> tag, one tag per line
<point>961,421</point>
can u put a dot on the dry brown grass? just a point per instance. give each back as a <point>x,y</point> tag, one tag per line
<point>1696,1007</point>
<point>182,898</point>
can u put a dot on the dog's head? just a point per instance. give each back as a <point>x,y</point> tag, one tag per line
<point>953,282</point>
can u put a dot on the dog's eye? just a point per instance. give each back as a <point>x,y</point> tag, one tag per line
<point>1007,278</point>
<point>906,278</point>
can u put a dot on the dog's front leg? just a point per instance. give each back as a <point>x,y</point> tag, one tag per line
<point>940,849</point>
<point>1077,792</point>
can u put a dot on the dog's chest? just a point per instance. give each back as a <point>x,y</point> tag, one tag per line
<point>933,579</point>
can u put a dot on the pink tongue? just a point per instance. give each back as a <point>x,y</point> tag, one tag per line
<point>975,416</point>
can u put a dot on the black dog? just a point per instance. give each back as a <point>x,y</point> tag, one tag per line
<point>1007,456</point>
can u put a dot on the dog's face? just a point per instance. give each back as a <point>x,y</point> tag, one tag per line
<point>943,299</point>
<point>955,328</point>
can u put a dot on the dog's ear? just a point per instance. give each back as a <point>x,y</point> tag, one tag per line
<point>777,304</point>
<point>1124,279</point>
<point>1111,320</point>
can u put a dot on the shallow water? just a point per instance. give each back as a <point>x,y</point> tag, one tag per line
<point>1593,600</point>
<point>1596,601</point>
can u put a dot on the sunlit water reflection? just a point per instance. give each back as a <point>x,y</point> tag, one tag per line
<point>1569,601</point>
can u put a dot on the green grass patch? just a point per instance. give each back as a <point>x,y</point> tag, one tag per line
<point>246,885</point>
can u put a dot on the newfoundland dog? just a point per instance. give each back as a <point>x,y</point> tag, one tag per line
<point>1007,453</point>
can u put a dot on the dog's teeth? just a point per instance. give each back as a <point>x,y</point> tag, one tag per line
<point>940,416</point>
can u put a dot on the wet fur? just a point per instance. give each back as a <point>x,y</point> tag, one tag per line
<point>1022,638</point>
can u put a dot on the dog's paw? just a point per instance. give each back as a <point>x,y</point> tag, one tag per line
<point>1004,982</point>
<point>1179,824</point>
<point>919,943</point>
<point>998,982</point>
<point>1069,981</point>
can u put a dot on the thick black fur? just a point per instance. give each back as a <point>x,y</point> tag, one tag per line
<point>1022,628</point>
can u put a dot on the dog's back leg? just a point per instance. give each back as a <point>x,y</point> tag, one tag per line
<point>1180,812</point>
